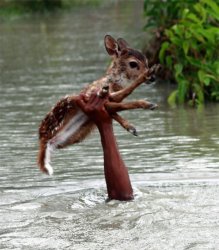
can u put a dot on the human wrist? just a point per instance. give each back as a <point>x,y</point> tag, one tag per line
<point>106,133</point>
<point>104,125</point>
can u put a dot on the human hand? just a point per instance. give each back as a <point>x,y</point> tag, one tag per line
<point>94,106</point>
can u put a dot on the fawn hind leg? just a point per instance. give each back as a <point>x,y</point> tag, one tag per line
<point>113,107</point>
<point>124,123</point>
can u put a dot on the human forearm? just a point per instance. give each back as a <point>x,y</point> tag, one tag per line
<point>116,174</point>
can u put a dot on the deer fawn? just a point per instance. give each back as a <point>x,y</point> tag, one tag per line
<point>66,124</point>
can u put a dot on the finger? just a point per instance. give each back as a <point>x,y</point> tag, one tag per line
<point>81,103</point>
<point>96,98</point>
<point>101,100</point>
<point>84,97</point>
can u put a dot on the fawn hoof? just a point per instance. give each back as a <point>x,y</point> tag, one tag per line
<point>153,106</point>
<point>133,131</point>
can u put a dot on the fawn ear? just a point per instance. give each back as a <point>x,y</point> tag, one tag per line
<point>111,45</point>
<point>122,44</point>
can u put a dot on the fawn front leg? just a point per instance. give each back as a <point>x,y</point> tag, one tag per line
<point>123,93</point>
<point>114,107</point>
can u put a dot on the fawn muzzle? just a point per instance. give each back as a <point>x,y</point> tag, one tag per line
<point>152,74</point>
<point>151,79</point>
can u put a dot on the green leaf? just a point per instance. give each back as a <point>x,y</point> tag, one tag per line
<point>197,35</point>
<point>207,81</point>
<point>182,89</point>
<point>215,95</point>
<point>185,47</point>
<point>178,30</point>
<point>199,93</point>
<point>169,33</point>
<point>177,41</point>
<point>194,61</point>
<point>194,18</point>
<point>178,69</point>
<point>188,34</point>
<point>163,49</point>
<point>185,13</point>
<point>201,11</point>
<point>212,14</point>
<point>204,77</point>
<point>216,66</point>
<point>212,4</point>
<point>172,98</point>
<point>169,61</point>
<point>209,34</point>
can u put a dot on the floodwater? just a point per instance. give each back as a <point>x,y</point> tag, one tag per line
<point>173,163</point>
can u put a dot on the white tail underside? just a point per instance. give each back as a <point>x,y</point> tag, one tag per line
<point>69,130</point>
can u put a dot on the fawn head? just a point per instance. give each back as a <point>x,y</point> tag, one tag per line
<point>127,63</point>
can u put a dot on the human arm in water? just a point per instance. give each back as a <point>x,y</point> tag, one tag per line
<point>116,174</point>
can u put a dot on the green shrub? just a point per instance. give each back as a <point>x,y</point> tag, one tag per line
<point>190,50</point>
<point>162,14</point>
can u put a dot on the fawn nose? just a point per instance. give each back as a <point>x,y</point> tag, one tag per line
<point>152,72</point>
<point>151,80</point>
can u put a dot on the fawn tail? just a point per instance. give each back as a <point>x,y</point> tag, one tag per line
<point>44,157</point>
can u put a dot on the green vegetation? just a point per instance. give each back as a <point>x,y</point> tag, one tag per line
<point>17,8</point>
<point>188,38</point>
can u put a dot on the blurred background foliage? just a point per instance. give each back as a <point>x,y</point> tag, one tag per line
<point>21,7</point>
<point>185,42</point>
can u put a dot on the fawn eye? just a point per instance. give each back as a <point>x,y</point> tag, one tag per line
<point>133,65</point>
